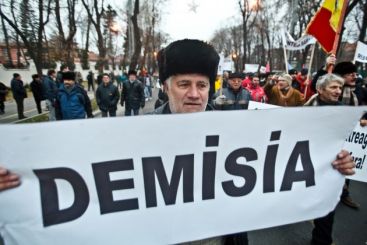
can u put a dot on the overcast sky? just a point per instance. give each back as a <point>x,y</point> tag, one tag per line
<point>180,21</point>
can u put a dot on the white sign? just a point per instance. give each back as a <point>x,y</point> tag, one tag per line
<point>361,52</point>
<point>299,44</point>
<point>356,144</point>
<point>165,179</point>
<point>251,68</point>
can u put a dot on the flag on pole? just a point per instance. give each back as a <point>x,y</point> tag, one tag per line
<point>324,25</point>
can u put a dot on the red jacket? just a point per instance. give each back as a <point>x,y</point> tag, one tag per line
<point>257,93</point>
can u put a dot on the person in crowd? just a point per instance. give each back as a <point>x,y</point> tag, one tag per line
<point>147,87</point>
<point>72,101</point>
<point>90,79</point>
<point>107,97</point>
<point>49,93</point>
<point>3,94</point>
<point>256,91</point>
<point>225,79</point>
<point>304,83</point>
<point>293,73</point>
<point>234,97</point>
<point>246,80</point>
<point>282,94</point>
<point>187,68</point>
<point>37,90</point>
<point>353,94</point>
<point>19,94</point>
<point>58,80</point>
<point>329,88</point>
<point>132,94</point>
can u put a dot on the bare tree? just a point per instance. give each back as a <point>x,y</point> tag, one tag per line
<point>95,13</point>
<point>67,40</point>
<point>137,41</point>
<point>35,52</point>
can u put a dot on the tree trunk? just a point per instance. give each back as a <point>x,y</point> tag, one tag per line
<point>6,37</point>
<point>137,50</point>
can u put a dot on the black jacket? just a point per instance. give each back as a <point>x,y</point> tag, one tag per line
<point>3,91</point>
<point>18,89</point>
<point>133,94</point>
<point>107,97</point>
<point>36,87</point>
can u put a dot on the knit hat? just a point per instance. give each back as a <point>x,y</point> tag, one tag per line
<point>287,78</point>
<point>343,68</point>
<point>188,56</point>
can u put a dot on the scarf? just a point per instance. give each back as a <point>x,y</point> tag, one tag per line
<point>349,97</point>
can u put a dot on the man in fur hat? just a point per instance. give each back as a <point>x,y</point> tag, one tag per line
<point>72,101</point>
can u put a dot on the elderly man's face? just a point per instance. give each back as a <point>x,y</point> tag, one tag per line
<point>235,83</point>
<point>350,79</point>
<point>331,92</point>
<point>282,83</point>
<point>188,93</point>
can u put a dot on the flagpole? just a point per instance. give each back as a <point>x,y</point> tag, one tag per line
<point>309,68</point>
<point>337,36</point>
<point>285,54</point>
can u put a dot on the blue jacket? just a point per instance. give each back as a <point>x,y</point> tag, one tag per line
<point>233,101</point>
<point>49,88</point>
<point>73,104</point>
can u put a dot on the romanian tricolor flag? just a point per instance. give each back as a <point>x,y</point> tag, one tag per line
<point>324,25</point>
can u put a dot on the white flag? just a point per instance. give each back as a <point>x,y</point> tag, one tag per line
<point>361,53</point>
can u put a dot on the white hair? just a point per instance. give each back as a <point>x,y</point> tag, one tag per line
<point>325,80</point>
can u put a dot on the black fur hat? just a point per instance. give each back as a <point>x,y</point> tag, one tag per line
<point>68,75</point>
<point>188,56</point>
<point>235,75</point>
<point>132,72</point>
<point>343,68</point>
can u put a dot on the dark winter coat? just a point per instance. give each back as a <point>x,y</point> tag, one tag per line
<point>37,90</point>
<point>107,97</point>
<point>49,88</point>
<point>3,91</point>
<point>73,104</point>
<point>234,100</point>
<point>18,89</point>
<point>133,94</point>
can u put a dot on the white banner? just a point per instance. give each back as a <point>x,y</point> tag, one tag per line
<point>361,52</point>
<point>251,68</point>
<point>164,179</point>
<point>301,43</point>
<point>356,144</point>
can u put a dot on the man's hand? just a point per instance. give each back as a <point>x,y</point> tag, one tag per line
<point>8,180</point>
<point>344,163</point>
<point>330,61</point>
<point>220,100</point>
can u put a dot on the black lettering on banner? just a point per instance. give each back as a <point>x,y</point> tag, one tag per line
<point>302,150</point>
<point>244,171</point>
<point>105,186</point>
<point>51,213</point>
<point>209,168</point>
<point>153,166</point>
<point>269,164</point>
